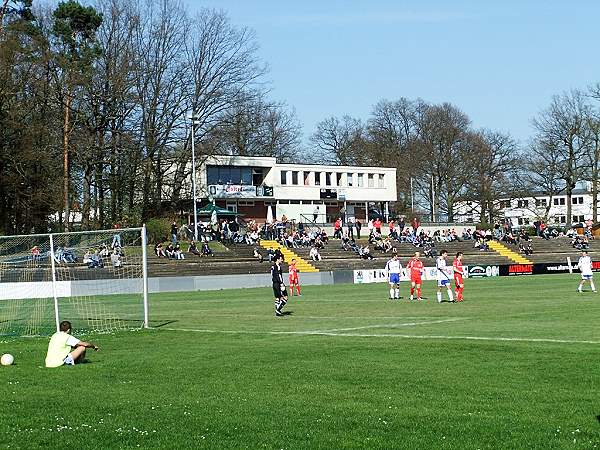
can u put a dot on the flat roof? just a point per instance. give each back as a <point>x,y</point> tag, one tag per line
<point>274,160</point>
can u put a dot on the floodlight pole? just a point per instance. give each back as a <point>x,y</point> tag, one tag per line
<point>412,196</point>
<point>193,118</point>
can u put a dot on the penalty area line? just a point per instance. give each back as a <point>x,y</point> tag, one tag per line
<point>389,335</point>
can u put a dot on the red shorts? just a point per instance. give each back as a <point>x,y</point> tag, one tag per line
<point>294,280</point>
<point>458,280</point>
<point>416,280</point>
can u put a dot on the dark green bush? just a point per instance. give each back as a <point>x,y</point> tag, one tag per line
<point>159,229</point>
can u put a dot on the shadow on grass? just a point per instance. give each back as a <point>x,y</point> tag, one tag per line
<point>162,324</point>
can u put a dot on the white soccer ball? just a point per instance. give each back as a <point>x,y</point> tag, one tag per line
<point>7,359</point>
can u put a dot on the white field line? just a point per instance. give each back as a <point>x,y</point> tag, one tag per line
<point>392,325</point>
<point>316,332</point>
<point>327,317</point>
<point>388,335</point>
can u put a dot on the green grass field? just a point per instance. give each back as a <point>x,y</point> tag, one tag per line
<point>514,367</point>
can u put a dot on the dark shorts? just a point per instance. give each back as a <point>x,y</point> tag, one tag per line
<point>278,293</point>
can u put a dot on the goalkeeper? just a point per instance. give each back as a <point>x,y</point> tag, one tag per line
<point>279,290</point>
<point>65,349</point>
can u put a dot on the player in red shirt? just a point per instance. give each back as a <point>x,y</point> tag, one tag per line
<point>294,281</point>
<point>458,276</point>
<point>415,265</point>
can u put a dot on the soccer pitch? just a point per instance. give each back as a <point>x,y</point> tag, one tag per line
<point>514,366</point>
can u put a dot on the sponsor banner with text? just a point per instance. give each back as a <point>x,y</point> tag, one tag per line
<point>381,276</point>
<point>482,271</point>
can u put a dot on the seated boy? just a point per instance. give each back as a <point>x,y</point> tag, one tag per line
<point>65,349</point>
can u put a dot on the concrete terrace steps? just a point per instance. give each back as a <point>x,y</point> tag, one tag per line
<point>503,250</point>
<point>301,263</point>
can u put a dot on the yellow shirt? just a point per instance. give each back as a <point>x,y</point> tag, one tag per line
<point>59,347</point>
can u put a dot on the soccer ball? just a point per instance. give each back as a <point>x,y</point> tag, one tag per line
<point>7,359</point>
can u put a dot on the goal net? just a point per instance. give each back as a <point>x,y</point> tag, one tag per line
<point>95,279</point>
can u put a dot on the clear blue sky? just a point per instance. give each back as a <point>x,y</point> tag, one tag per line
<point>500,62</point>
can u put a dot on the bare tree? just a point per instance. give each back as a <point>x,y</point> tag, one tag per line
<point>491,163</point>
<point>223,66</point>
<point>561,128</point>
<point>540,176</point>
<point>392,132</point>
<point>592,123</point>
<point>442,147</point>
<point>340,141</point>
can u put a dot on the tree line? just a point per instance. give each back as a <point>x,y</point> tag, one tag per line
<point>442,160</point>
<point>95,106</point>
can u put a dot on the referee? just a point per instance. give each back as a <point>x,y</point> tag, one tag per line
<point>279,290</point>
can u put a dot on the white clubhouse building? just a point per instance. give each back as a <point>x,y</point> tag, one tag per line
<point>301,192</point>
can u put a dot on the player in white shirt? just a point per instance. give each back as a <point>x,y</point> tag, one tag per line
<point>585,266</point>
<point>394,269</point>
<point>443,278</point>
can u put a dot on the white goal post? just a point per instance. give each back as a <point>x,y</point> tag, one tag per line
<point>98,280</point>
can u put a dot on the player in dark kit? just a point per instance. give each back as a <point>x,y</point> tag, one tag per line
<point>279,290</point>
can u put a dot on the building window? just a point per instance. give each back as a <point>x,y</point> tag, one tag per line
<point>283,177</point>
<point>327,178</point>
<point>229,175</point>
<point>258,177</point>
<point>559,201</point>
<point>338,178</point>
<point>523,221</point>
<point>578,219</point>
<point>541,202</point>
<point>245,203</point>
<point>360,182</point>
<point>317,178</point>
<point>578,200</point>
<point>295,178</point>
<point>560,219</point>
<point>522,203</point>
<point>306,178</point>
<point>349,177</point>
<point>380,183</point>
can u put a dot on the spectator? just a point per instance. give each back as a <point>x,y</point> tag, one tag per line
<point>365,253</point>
<point>377,224</point>
<point>115,259</point>
<point>116,237</point>
<point>337,228</point>
<point>351,227</point>
<point>314,254</point>
<point>358,224</point>
<point>392,229</point>
<point>206,250</point>
<point>159,251</point>
<point>178,253</point>
<point>258,255</point>
<point>170,251</point>
<point>92,260</point>
<point>35,253</point>
<point>104,252</point>
<point>193,249</point>
<point>174,233</point>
